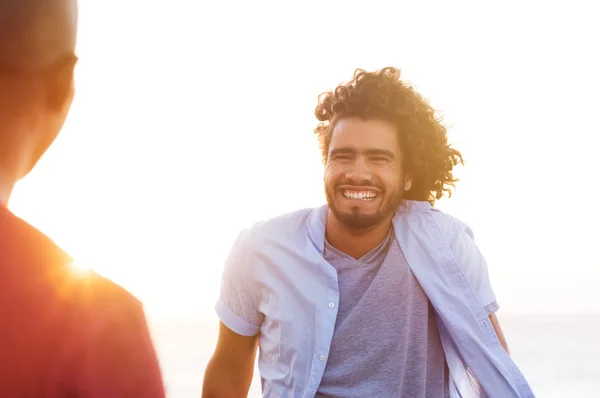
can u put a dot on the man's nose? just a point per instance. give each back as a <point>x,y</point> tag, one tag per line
<point>359,171</point>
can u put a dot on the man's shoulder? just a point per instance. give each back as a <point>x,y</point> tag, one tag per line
<point>282,225</point>
<point>93,291</point>
<point>25,246</point>
<point>447,224</point>
<point>40,261</point>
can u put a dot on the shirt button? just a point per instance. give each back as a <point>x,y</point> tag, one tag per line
<point>331,305</point>
<point>321,357</point>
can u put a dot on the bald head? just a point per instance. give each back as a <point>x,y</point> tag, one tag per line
<point>37,60</point>
<point>36,35</point>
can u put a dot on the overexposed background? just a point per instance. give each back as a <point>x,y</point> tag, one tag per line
<point>194,119</point>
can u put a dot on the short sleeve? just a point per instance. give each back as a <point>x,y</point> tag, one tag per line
<point>474,266</point>
<point>237,304</point>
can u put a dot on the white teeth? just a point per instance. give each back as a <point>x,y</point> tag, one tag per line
<point>367,195</point>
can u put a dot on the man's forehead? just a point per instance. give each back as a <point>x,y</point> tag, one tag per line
<point>34,34</point>
<point>361,134</point>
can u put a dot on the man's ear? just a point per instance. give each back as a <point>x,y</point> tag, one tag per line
<point>60,85</point>
<point>407,184</point>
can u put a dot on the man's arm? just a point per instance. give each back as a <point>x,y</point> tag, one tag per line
<point>119,357</point>
<point>499,333</point>
<point>230,370</point>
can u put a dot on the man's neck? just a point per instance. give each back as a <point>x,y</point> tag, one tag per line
<point>7,184</point>
<point>354,243</point>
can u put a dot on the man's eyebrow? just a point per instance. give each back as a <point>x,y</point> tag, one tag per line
<point>342,151</point>
<point>368,152</point>
<point>380,152</point>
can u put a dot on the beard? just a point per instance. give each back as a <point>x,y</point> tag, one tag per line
<point>355,219</point>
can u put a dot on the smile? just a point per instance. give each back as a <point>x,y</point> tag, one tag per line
<point>359,195</point>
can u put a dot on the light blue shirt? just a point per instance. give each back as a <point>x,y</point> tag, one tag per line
<point>277,283</point>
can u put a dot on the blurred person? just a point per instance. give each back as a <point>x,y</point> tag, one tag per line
<point>64,333</point>
<point>377,293</point>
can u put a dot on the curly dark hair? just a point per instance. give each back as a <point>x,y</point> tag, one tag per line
<point>427,156</point>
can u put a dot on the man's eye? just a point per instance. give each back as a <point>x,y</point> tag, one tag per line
<point>343,157</point>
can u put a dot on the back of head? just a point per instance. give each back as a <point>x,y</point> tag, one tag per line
<point>35,35</point>
<point>37,58</point>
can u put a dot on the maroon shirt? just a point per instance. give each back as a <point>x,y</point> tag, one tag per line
<point>65,333</point>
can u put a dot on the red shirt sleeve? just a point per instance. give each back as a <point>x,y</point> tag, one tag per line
<point>119,359</point>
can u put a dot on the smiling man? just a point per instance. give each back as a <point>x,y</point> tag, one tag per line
<point>377,293</point>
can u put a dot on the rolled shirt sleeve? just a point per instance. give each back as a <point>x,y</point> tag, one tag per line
<point>474,266</point>
<point>237,305</point>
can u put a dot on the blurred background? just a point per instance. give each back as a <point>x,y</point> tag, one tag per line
<point>193,120</point>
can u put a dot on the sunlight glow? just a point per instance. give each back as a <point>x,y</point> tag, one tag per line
<point>181,136</point>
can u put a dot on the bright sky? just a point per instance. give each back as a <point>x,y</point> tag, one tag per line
<point>194,119</point>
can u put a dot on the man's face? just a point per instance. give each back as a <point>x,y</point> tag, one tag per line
<point>364,180</point>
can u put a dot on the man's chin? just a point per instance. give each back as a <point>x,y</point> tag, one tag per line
<point>358,221</point>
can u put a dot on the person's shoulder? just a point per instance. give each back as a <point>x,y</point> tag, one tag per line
<point>282,226</point>
<point>46,263</point>
<point>24,247</point>
<point>92,293</point>
<point>286,231</point>
<point>449,225</point>
<point>102,289</point>
<point>287,220</point>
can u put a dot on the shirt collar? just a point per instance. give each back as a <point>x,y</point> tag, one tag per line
<point>317,220</point>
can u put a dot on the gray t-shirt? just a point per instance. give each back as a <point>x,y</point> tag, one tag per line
<point>386,342</point>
